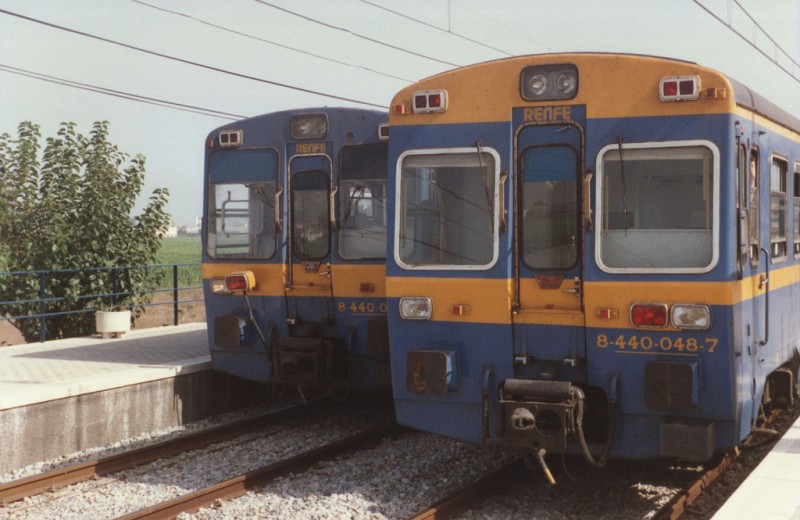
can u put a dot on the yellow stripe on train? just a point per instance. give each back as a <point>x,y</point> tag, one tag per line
<point>492,300</point>
<point>346,281</point>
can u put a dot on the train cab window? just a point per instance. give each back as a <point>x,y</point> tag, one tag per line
<point>796,211</point>
<point>754,213</point>
<point>241,215</point>
<point>362,202</point>
<point>778,209</point>
<point>310,214</point>
<point>446,214</point>
<point>657,207</point>
<point>549,207</point>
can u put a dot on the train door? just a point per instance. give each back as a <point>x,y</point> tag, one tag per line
<point>548,320</point>
<point>755,314</point>
<point>308,276</point>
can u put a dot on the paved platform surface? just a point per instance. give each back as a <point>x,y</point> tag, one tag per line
<point>772,491</point>
<point>39,372</point>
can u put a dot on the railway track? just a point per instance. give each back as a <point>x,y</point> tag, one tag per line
<point>682,504</point>
<point>506,477</point>
<point>239,485</point>
<point>73,474</point>
<point>473,494</point>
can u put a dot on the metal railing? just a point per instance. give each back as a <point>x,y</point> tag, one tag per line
<point>113,297</point>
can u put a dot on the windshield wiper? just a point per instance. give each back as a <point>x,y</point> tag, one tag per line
<point>622,178</point>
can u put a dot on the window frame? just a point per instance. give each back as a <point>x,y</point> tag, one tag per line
<point>398,209</point>
<point>754,217</point>
<point>796,210</point>
<point>523,243</point>
<point>779,160</point>
<point>599,209</point>
<point>213,179</point>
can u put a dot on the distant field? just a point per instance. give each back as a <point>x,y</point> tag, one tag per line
<point>181,250</point>
<point>178,250</point>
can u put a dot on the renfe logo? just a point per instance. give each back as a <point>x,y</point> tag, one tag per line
<point>553,114</point>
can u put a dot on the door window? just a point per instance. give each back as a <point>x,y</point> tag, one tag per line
<point>310,225</point>
<point>549,207</point>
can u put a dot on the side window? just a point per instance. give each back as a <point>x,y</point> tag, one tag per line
<point>778,211</point>
<point>796,211</point>
<point>755,248</point>
<point>743,194</point>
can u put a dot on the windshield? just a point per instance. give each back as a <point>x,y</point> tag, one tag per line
<point>362,208</point>
<point>657,209</point>
<point>241,206</point>
<point>446,211</point>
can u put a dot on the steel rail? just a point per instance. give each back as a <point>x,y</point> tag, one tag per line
<point>238,486</point>
<point>73,474</point>
<point>473,494</point>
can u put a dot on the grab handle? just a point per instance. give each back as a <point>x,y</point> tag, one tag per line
<point>764,283</point>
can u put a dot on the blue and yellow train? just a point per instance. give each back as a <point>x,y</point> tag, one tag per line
<point>294,245</point>
<point>592,253</point>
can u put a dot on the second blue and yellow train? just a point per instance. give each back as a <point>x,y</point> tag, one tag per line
<point>294,240</point>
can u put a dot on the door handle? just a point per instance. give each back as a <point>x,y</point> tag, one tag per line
<point>575,290</point>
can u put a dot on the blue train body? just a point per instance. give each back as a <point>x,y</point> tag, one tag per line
<point>597,271</point>
<point>293,249</point>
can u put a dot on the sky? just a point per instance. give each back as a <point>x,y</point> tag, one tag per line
<point>249,57</point>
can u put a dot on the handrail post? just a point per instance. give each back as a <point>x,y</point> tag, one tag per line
<point>175,294</point>
<point>764,282</point>
<point>114,286</point>
<point>42,309</point>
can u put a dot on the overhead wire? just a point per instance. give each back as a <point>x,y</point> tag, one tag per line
<point>357,35</point>
<point>190,62</point>
<point>270,42</point>
<point>426,24</point>
<point>766,34</point>
<point>486,17</point>
<point>753,45</point>
<point>121,94</point>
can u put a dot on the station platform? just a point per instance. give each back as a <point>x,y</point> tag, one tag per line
<point>63,396</point>
<point>38,372</point>
<point>772,490</point>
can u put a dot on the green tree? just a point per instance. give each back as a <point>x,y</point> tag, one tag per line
<point>69,207</point>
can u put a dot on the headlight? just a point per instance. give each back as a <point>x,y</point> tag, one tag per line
<point>693,317</point>
<point>415,308</point>
<point>309,126</point>
<point>218,286</point>
<point>549,82</point>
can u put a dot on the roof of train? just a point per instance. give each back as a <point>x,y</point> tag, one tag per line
<point>744,96</point>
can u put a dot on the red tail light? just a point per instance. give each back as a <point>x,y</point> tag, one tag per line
<point>243,281</point>
<point>669,88</point>
<point>649,315</point>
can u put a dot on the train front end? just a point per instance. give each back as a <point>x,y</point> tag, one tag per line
<point>564,272</point>
<point>294,238</point>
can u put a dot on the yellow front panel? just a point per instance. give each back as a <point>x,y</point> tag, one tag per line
<point>269,277</point>
<point>489,300</point>
<point>609,86</point>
